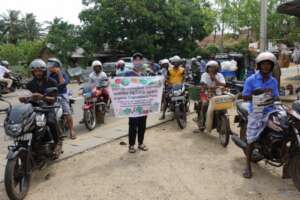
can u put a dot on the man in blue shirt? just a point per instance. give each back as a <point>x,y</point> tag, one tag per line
<point>54,66</point>
<point>260,82</point>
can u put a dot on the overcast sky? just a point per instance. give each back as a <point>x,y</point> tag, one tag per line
<point>46,10</point>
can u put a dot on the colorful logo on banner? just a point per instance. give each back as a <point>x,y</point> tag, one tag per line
<point>136,96</point>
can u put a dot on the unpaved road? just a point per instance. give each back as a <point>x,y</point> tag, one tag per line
<point>180,165</point>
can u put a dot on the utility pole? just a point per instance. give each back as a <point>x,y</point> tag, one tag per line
<point>263,25</point>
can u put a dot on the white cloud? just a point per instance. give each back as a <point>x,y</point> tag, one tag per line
<point>46,10</point>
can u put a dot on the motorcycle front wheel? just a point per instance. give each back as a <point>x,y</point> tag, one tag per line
<point>295,170</point>
<point>180,116</point>
<point>17,177</point>
<point>224,130</point>
<point>89,119</point>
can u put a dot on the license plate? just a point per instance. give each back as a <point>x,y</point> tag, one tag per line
<point>222,100</point>
<point>177,98</point>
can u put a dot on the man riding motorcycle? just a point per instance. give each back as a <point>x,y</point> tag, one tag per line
<point>98,76</point>
<point>210,80</point>
<point>54,67</point>
<point>175,76</point>
<point>4,75</point>
<point>257,120</point>
<point>120,67</point>
<point>38,87</point>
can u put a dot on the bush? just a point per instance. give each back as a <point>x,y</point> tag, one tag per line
<point>23,52</point>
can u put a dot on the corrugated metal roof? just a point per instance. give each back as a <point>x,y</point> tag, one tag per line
<point>290,8</point>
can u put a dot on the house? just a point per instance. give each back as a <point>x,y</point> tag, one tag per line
<point>290,8</point>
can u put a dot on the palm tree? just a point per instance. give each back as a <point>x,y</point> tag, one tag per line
<point>30,27</point>
<point>11,26</point>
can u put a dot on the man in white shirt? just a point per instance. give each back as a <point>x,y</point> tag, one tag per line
<point>4,71</point>
<point>97,76</point>
<point>212,78</point>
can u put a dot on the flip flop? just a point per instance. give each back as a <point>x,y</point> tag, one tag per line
<point>131,149</point>
<point>143,147</point>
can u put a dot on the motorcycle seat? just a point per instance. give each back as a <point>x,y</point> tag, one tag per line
<point>243,107</point>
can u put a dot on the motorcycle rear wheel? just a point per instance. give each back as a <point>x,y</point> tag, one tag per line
<point>89,119</point>
<point>16,179</point>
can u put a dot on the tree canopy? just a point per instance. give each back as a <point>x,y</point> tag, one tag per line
<point>158,28</point>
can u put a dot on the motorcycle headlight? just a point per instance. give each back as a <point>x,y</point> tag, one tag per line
<point>13,129</point>
<point>177,93</point>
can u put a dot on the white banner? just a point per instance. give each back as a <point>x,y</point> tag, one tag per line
<point>136,96</point>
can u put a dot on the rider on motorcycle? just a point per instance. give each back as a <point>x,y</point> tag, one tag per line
<point>210,80</point>
<point>98,77</point>
<point>175,76</point>
<point>54,67</point>
<point>120,67</point>
<point>38,87</point>
<point>267,84</point>
<point>4,75</point>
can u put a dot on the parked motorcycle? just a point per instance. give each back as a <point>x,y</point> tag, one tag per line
<point>215,115</point>
<point>178,102</point>
<point>32,145</point>
<point>94,105</point>
<point>279,143</point>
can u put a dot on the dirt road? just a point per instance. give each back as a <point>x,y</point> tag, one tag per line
<point>180,165</point>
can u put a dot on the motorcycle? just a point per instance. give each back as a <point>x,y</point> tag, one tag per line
<point>17,82</point>
<point>279,142</point>
<point>216,117</point>
<point>178,102</point>
<point>32,145</point>
<point>236,87</point>
<point>94,105</point>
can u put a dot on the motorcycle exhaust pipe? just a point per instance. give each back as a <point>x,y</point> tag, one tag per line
<point>236,139</point>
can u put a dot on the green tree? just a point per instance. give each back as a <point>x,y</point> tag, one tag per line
<point>158,28</point>
<point>63,38</point>
<point>11,26</point>
<point>30,27</point>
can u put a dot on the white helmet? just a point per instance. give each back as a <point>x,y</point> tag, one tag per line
<point>38,64</point>
<point>164,61</point>
<point>175,59</point>
<point>96,63</point>
<point>266,56</point>
<point>212,63</point>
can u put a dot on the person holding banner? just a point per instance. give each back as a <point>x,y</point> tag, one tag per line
<point>137,125</point>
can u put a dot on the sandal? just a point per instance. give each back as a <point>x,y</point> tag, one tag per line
<point>143,147</point>
<point>73,136</point>
<point>132,149</point>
